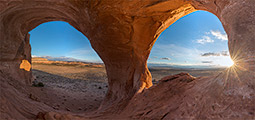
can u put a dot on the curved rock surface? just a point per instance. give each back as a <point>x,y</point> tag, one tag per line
<point>122,33</point>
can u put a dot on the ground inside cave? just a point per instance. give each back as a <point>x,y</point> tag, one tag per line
<point>64,89</point>
<point>81,88</point>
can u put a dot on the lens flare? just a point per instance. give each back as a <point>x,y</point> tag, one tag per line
<point>225,61</point>
<point>230,63</point>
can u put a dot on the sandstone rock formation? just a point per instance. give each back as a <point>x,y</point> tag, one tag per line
<point>123,32</point>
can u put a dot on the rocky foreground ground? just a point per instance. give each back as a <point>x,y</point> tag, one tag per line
<point>69,86</point>
<point>81,87</point>
<point>80,90</point>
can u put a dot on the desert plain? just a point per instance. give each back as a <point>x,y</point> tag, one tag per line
<point>81,87</point>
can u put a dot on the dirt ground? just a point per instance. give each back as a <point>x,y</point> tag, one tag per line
<point>82,88</point>
<point>69,88</point>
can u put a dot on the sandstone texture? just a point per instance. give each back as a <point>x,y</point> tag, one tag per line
<point>123,32</point>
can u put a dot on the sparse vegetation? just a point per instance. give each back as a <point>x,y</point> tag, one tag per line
<point>39,84</point>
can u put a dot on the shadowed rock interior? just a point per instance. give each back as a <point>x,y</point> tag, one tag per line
<point>123,33</point>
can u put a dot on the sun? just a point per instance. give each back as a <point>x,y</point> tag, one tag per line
<point>230,63</point>
<point>227,62</point>
<point>224,61</point>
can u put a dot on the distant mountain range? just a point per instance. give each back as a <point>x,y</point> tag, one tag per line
<point>150,65</point>
<point>62,58</point>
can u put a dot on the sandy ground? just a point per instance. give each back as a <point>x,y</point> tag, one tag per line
<point>69,88</point>
<point>82,88</point>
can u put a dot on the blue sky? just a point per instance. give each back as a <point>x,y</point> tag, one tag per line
<point>195,39</point>
<point>59,39</point>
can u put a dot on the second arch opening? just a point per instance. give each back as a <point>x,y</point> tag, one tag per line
<point>196,44</point>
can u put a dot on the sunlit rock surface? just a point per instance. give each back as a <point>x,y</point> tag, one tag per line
<point>123,33</point>
<point>25,65</point>
<point>183,97</point>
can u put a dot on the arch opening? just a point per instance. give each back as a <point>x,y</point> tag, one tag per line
<point>196,43</point>
<point>67,73</point>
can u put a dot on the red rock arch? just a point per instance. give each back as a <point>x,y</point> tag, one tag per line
<point>121,32</point>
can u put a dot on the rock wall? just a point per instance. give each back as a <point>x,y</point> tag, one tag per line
<point>121,32</point>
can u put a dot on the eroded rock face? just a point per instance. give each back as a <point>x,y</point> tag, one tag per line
<point>122,33</point>
<point>185,97</point>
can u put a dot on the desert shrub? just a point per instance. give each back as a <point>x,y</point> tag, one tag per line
<point>39,84</point>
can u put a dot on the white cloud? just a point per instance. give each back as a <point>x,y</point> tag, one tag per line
<point>210,54</point>
<point>216,60</point>
<point>205,39</point>
<point>219,35</point>
<point>165,58</point>
<point>222,53</point>
<point>207,62</point>
<point>207,33</point>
